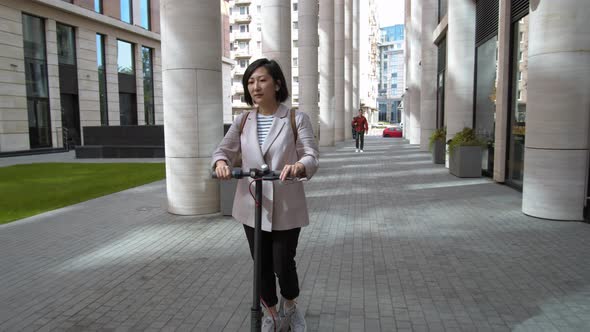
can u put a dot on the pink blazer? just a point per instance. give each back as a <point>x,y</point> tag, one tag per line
<point>283,204</point>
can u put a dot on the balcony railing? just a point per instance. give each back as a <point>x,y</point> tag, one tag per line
<point>241,18</point>
<point>240,53</point>
<point>243,2</point>
<point>239,70</point>
<point>241,35</point>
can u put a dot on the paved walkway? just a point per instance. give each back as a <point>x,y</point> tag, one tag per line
<point>395,244</point>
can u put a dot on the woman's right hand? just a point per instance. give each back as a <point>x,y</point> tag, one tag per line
<point>222,170</point>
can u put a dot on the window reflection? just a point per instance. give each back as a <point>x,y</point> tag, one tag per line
<point>148,85</point>
<point>98,6</point>
<point>126,11</point>
<point>144,9</point>
<point>125,58</point>
<point>102,79</point>
<point>518,102</point>
<point>485,98</point>
<point>66,49</point>
<point>36,81</point>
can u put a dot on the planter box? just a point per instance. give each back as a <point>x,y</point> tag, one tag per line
<point>465,162</point>
<point>438,152</point>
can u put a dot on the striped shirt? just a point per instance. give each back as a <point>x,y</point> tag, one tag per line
<point>264,123</point>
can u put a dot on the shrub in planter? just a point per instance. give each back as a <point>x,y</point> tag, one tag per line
<point>436,144</point>
<point>465,150</point>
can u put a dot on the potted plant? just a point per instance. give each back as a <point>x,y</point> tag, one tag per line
<point>465,150</point>
<point>436,144</point>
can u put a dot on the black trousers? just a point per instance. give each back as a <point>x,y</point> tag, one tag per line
<point>360,136</point>
<point>278,257</point>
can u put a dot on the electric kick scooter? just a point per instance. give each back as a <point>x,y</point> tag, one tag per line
<point>258,175</point>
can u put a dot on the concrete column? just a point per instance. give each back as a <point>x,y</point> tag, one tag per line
<point>415,35</point>
<point>502,91</point>
<point>408,74</point>
<point>429,72</point>
<point>308,61</point>
<point>355,57</point>
<point>326,34</point>
<point>558,118</point>
<point>347,69</point>
<point>53,83</point>
<point>193,123</point>
<point>460,66</point>
<point>339,70</point>
<point>276,36</point>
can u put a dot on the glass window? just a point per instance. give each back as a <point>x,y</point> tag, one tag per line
<point>295,25</point>
<point>486,83</point>
<point>102,79</point>
<point>34,37</point>
<point>125,57</point>
<point>144,10</point>
<point>98,6</point>
<point>485,99</point>
<point>295,62</point>
<point>295,7</point>
<point>148,85</point>
<point>244,10</point>
<point>519,63</point>
<point>244,28</point>
<point>36,81</point>
<point>66,48</point>
<point>296,43</point>
<point>440,84</point>
<point>126,11</point>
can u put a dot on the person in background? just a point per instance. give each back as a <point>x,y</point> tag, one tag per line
<point>361,126</point>
<point>283,139</point>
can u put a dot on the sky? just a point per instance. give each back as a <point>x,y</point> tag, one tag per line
<point>391,12</point>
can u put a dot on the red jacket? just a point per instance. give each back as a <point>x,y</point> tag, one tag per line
<point>359,123</point>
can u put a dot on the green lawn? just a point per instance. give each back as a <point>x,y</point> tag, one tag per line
<point>26,190</point>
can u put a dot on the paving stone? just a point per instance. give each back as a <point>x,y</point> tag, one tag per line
<point>395,243</point>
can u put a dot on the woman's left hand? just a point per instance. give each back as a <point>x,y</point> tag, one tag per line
<point>295,170</point>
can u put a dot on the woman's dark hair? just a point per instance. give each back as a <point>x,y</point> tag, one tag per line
<point>274,70</point>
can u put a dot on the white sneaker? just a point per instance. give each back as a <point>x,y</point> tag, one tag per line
<point>357,150</point>
<point>292,318</point>
<point>362,151</point>
<point>269,324</point>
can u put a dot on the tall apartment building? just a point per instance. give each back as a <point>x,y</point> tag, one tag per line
<point>369,59</point>
<point>391,73</point>
<point>69,64</point>
<point>246,46</point>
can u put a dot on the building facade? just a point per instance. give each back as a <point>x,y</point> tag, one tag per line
<point>391,73</point>
<point>516,72</point>
<point>369,66</point>
<point>70,64</point>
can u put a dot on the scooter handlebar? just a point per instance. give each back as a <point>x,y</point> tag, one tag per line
<point>238,173</point>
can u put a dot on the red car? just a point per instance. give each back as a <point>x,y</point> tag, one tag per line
<point>392,132</point>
